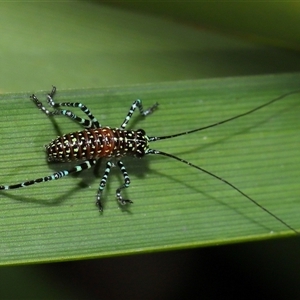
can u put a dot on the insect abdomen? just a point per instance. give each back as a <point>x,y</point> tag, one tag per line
<point>82,145</point>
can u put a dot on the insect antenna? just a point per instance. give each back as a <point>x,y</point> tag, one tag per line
<point>152,151</point>
<point>156,138</point>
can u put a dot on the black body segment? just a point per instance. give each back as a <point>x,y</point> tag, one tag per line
<point>97,143</point>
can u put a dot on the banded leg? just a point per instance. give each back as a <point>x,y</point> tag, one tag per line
<point>92,123</point>
<point>57,175</point>
<point>102,185</point>
<point>103,181</point>
<point>124,185</point>
<point>138,104</point>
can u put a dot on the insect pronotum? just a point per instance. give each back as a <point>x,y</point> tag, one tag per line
<point>95,142</point>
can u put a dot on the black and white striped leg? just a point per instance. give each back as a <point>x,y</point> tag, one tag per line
<point>92,123</point>
<point>124,185</point>
<point>138,104</point>
<point>102,185</point>
<point>57,175</point>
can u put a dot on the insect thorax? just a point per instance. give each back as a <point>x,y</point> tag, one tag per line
<point>97,143</point>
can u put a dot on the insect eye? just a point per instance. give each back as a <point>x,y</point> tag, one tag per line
<point>141,131</point>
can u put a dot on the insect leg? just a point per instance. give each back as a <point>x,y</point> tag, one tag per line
<point>124,185</point>
<point>57,175</point>
<point>135,104</point>
<point>92,123</point>
<point>102,184</point>
<point>103,181</point>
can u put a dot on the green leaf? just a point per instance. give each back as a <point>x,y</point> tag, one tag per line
<point>175,206</point>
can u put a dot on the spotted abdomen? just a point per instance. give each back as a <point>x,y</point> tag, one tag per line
<point>96,143</point>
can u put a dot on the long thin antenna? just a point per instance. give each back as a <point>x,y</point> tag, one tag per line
<point>156,138</point>
<point>152,151</point>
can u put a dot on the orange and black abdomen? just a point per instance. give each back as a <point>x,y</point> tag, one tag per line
<point>96,143</point>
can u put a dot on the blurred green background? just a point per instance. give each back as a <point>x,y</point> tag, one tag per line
<point>93,44</point>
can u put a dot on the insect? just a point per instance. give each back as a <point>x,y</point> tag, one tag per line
<point>95,142</point>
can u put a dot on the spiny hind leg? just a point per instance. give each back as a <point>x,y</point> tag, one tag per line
<point>91,123</point>
<point>57,175</point>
